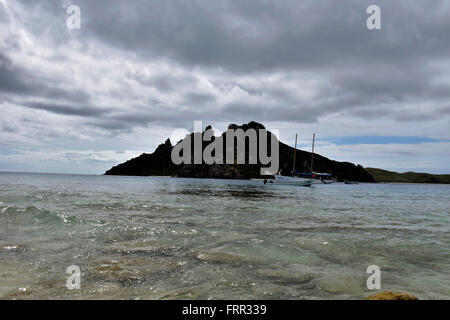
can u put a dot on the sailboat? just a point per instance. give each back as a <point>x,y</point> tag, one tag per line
<point>325,178</point>
<point>293,180</point>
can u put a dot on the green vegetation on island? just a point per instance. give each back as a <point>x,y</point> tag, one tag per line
<point>381,175</point>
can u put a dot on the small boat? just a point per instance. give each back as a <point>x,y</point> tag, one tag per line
<point>324,178</point>
<point>350,182</point>
<point>292,181</point>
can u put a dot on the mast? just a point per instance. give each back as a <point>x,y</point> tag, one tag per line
<point>312,153</point>
<point>295,151</point>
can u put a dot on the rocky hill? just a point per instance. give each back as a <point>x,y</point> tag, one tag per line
<point>159,163</point>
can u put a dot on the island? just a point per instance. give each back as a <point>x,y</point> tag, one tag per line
<point>159,163</point>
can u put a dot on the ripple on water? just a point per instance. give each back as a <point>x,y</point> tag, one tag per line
<point>184,238</point>
<point>31,215</point>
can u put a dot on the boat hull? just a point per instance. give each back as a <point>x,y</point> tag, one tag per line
<point>292,181</point>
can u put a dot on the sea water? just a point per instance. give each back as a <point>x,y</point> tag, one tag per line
<point>174,238</point>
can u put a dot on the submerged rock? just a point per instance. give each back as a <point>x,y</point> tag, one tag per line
<point>20,294</point>
<point>178,294</point>
<point>388,295</point>
<point>104,268</point>
<point>346,283</point>
<point>130,271</point>
<point>140,248</point>
<point>222,257</point>
<point>285,277</point>
<point>148,265</point>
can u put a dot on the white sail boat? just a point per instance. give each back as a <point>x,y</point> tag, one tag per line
<point>292,181</point>
<point>318,178</point>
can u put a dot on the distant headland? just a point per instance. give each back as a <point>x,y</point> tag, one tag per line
<point>159,163</point>
<point>381,175</point>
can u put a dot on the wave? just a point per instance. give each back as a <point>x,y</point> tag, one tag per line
<point>34,215</point>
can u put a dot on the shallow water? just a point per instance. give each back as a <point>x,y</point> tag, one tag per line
<point>169,238</point>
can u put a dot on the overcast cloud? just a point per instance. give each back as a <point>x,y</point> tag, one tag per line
<point>84,100</point>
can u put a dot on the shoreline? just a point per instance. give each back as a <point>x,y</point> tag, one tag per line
<point>157,176</point>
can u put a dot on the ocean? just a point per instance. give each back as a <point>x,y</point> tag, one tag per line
<point>179,238</point>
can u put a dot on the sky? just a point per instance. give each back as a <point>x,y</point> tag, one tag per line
<point>138,72</point>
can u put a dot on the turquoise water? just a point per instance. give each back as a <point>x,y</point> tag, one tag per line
<point>170,238</point>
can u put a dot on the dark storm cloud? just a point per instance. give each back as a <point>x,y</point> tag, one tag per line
<point>9,127</point>
<point>74,95</point>
<point>126,123</point>
<point>65,109</point>
<point>360,72</point>
<point>12,78</point>
<point>247,113</point>
<point>19,81</point>
<point>265,35</point>
<point>111,125</point>
<point>194,99</point>
<point>366,68</point>
<point>444,111</point>
<point>165,82</point>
